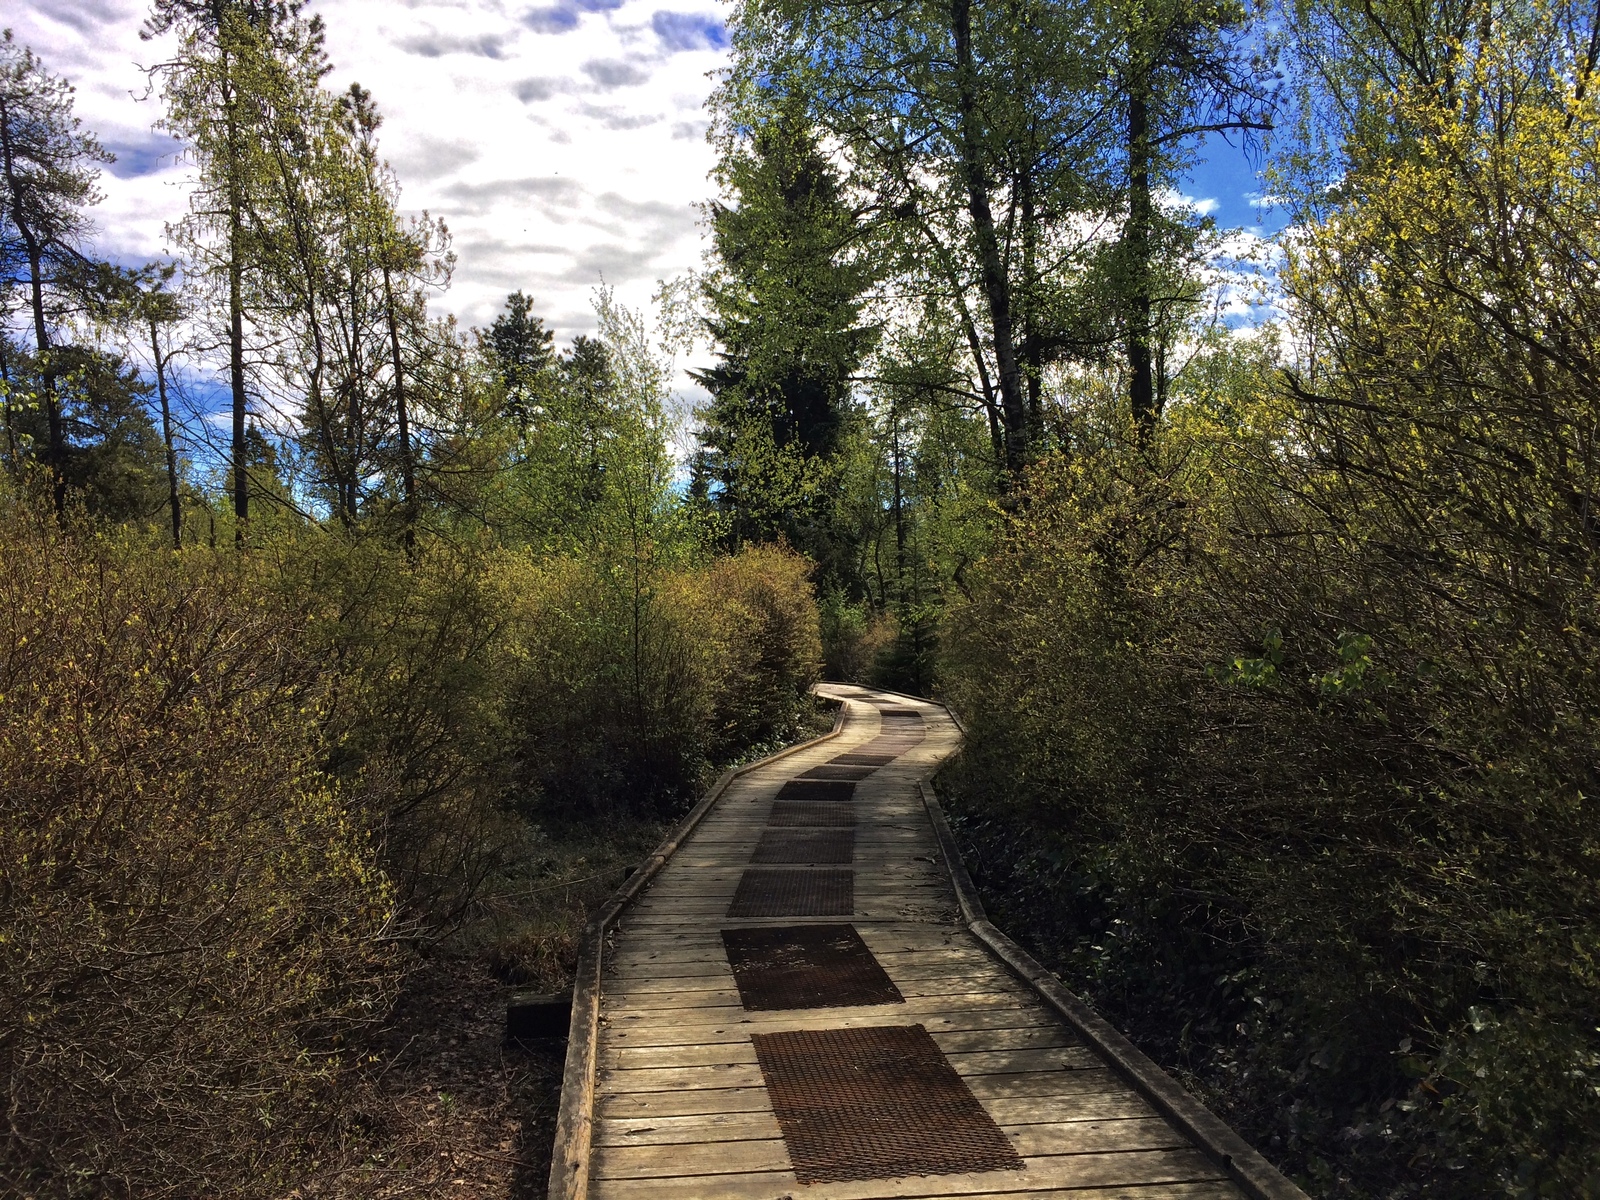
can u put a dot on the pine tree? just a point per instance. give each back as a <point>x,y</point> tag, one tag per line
<point>242,67</point>
<point>518,348</point>
<point>48,167</point>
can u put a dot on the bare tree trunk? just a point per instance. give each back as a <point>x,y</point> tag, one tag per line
<point>997,288</point>
<point>344,482</point>
<point>241,478</point>
<point>166,437</point>
<point>56,453</point>
<point>1141,375</point>
<point>5,386</point>
<point>408,479</point>
<point>1032,342</point>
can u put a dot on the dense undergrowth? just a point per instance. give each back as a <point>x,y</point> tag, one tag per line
<point>242,793</point>
<point>1298,834</point>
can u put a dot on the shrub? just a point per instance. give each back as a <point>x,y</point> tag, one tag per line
<point>1260,744</point>
<point>634,683</point>
<point>853,636</point>
<point>190,921</point>
<point>424,652</point>
<point>758,608</point>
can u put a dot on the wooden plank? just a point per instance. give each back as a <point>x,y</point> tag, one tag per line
<point>972,977</point>
<point>739,1072</point>
<point>621,1000</point>
<point>761,1124</point>
<point>720,1157</point>
<point>1211,1189</point>
<point>1133,1168</point>
<point>668,1030</point>
<point>743,1050</point>
<point>990,1089</point>
<point>707,940</point>
<point>713,953</point>
<point>688,1130</point>
<point>610,1106</point>
<point>1035,1085</point>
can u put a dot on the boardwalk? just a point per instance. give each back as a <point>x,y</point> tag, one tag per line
<point>793,1009</point>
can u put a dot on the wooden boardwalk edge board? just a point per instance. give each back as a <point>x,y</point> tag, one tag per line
<point>569,1158</point>
<point>1212,1135</point>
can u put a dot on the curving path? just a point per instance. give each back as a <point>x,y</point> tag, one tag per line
<point>793,1008</point>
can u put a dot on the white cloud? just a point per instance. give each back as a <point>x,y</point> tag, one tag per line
<point>559,140</point>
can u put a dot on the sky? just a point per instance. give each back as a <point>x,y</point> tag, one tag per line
<point>562,141</point>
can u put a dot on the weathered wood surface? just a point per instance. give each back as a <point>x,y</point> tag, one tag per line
<point>680,1110</point>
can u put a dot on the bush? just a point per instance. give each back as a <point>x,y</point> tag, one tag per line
<point>853,638</point>
<point>634,684</point>
<point>190,920</point>
<point>424,649</point>
<point>1281,779</point>
<point>758,609</point>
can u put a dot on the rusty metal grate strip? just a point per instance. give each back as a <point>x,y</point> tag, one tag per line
<point>856,758</point>
<point>832,771</point>
<point>876,1103</point>
<point>806,966</point>
<point>817,789</point>
<point>773,892</point>
<point>806,846</point>
<point>791,813</point>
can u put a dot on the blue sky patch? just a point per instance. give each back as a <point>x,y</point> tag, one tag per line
<point>142,158</point>
<point>689,31</point>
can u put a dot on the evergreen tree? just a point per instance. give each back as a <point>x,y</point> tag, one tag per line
<point>786,298</point>
<point>241,73</point>
<point>518,349</point>
<point>407,261</point>
<point>48,167</point>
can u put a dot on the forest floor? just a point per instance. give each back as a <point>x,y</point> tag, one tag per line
<point>447,1107</point>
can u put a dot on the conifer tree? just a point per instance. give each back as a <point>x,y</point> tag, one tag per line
<point>786,301</point>
<point>240,65</point>
<point>518,348</point>
<point>48,167</point>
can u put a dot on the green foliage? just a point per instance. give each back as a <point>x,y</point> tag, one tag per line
<point>518,349</point>
<point>425,653</point>
<point>110,455</point>
<point>786,293</point>
<point>635,683</point>
<point>1293,710</point>
<point>853,637</point>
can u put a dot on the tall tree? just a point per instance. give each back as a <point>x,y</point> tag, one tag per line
<point>791,267</point>
<point>48,168</point>
<point>409,260</point>
<point>156,309</point>
<point>235,58</point>
<point>1185,69</point>
<point>518,348</point>
<point>976,133</point>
